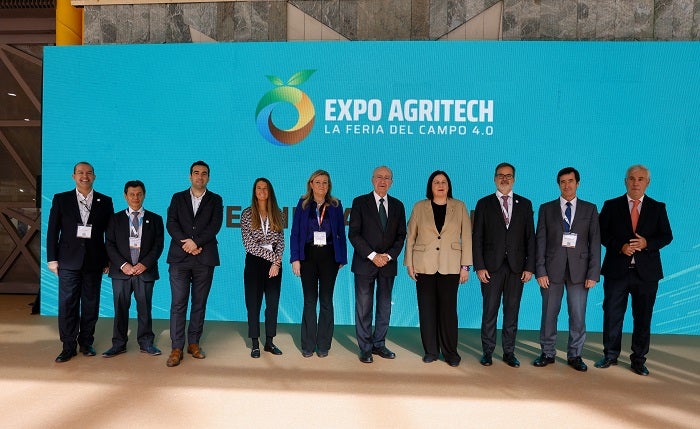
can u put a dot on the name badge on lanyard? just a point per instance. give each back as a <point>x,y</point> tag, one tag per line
<point>320,236</point>
<point>569,239</point>
<point>84,231</point>
<point>265,226</point>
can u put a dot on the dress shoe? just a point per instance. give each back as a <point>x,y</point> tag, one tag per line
<point>366,357</point>
<point>195,351</point>
<point>175,358</point>
<point>384,352</point>
<point>255,353</point>
<point>511,360</point>
<point>429,358</point>
<point>273,349</point>
<point>65,356</point>
<point>605,362</point>
<point>113,351</point>
<point>322,353</point>
<point>486,360</point>
<point>306,354</point>
<point>640,368</point>
<point>151,350</point>
<point>453,363</point>
<point>88,350</point>
<point>543,360</point>
<point>577,364</point>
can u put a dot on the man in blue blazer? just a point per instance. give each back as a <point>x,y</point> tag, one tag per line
<point>195,216</point>
<point>134,244</point>
<point>75,251</point>
<point>377,233</point>
<point>567,256</point>
<point>504,259</point>
<point>633,228</point>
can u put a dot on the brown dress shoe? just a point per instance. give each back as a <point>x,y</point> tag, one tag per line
<point>175,358</point>
<point>195,351</point>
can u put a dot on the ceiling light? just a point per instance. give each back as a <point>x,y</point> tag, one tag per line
<point>12,94</point>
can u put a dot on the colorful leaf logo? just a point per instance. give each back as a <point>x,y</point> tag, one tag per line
<point>276,98</point>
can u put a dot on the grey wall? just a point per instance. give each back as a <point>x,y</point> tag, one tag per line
<point>395,20</point>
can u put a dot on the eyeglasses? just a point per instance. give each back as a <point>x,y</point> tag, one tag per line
<point>504,176</point>
<point>382,177</point>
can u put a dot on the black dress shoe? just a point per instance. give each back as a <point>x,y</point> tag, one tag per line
<point>273,349</point>
<point>640,368</point>
<point>65,356</point>
<point>511,360</point>
<point>543,360</point>
<point>306,354</point>
<point>486,360</point>
<point>429,358</point>
<point>453,363</point>
<point>384,352</point>
<point>255,353</point>
<point>605,362</point>
<point>366,357</point>
<point>322,353</point>
<point>88,350</point>
<point>113,351</point>
<point>577,364</point>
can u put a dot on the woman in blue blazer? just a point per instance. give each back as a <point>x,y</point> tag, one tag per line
<point>318,250</point>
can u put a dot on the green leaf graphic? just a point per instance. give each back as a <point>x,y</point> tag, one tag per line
<point>275,80</point>
<point>300,77</point>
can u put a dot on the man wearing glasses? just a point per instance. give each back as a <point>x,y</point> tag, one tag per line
<point>504,259</point>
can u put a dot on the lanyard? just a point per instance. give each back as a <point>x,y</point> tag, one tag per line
<point>134,231</point>
<point>84,215</point>
<point>265,225</point>
<point>320,218</point>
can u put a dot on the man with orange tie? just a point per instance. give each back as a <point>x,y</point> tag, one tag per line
<point>633,228</point>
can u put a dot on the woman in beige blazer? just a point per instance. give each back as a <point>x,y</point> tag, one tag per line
<point>438,257</point>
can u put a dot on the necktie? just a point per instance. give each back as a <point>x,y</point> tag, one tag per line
<point>134,233</point>
<point>635,214</point>
<point>567,213</point>
<point>505,208</point>
<point>382,213</point>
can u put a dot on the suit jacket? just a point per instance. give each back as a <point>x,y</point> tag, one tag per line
<point>552,258</point>
<point>152,237</point>
<point>62,243</point>
<point>202,228</point>
<point>366,234</point>
<point>429,251</point>
<point>493,242</point>
<point>300,229</point>
<point>616,230</point>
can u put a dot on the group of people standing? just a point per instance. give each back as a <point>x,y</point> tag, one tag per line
<point>86,238</point>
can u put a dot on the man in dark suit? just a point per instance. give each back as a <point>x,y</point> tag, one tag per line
<point>504,259</point>
<point>134,244</point>
<point>633,228</point>
<point>75,251</point>
<point>194,218</point>
<point>377,232</point>
<point>568,255</point>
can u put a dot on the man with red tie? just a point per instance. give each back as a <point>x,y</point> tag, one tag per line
<point>633,228</point>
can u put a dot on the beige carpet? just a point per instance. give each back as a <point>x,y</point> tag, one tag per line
<point>228,389</point>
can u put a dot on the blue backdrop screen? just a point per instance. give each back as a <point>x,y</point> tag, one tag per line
<point>148,111</point>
